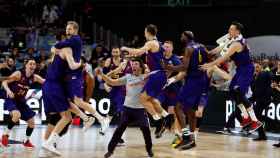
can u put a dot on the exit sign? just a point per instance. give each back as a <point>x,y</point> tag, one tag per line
<point>180,3</point>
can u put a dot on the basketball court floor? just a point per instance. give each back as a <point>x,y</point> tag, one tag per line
<point>76,144</point>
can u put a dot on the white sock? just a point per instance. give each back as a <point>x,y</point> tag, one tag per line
<point>7,131</point>
<point>83,116</point>
<point>164,113</point>
<point>195,135</point>
<point>243,111</point>
<point>156,117</point>
<point>54,137</point>
<point>252,114</point>
<point>98,116</point>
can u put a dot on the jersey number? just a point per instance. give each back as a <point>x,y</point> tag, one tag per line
<point>199,57</point>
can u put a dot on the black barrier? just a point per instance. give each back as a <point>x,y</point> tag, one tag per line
<point>220,107</point>
<point>216,112</point>
<point>272,120</point>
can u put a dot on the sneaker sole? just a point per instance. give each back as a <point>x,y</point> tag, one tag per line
<point>276,145</point>
<point>54,152</point>
<point>28,148</point>
<point>177,146</point>
<point>223,132</point>
<point>119,145</point>
<point>247,125</point>
<point>253,130</point>
<point>45,155</point>
<point>187,147</point>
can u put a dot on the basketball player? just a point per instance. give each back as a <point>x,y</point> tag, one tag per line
<point>133,110</point>
<point>124,67</point>
<point>178,111</point>
<point>16,87</point>
<point>54,96</point>
<point>156,81</point>
<point>239,52</point>
<point>168,97</point>
<point>74,78</point>
<point>117,93</point>
<point>52,119</point>
<point>193,88</point>
<point>118,67</point>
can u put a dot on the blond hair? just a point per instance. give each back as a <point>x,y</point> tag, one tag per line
<point>74,24</point>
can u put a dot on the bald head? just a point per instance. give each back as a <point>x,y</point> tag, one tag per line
<point>187,36</point>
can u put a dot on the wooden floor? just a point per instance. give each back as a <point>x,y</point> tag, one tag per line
<point>77,144</point>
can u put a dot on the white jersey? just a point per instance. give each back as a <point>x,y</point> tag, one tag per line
<point>134,85</point>
<point>225,41</point>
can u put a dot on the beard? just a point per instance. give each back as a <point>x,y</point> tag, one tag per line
<point>10,65</point>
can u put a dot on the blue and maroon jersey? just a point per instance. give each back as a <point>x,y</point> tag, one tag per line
<point>242,58</point>
<point>128,68</point>
<point>173,60</point>
<point>75,43</point>
<point>154,59</point>
<point>20,88</point>
<point>57,69</point>
<point>199,57</point>
<point>113,66</point>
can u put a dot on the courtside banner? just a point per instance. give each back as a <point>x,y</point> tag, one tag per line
<point>220,107</point>
<point>216,112</point>
<point>35,102</point>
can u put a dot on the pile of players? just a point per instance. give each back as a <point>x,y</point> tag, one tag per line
<point>172,89</point>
